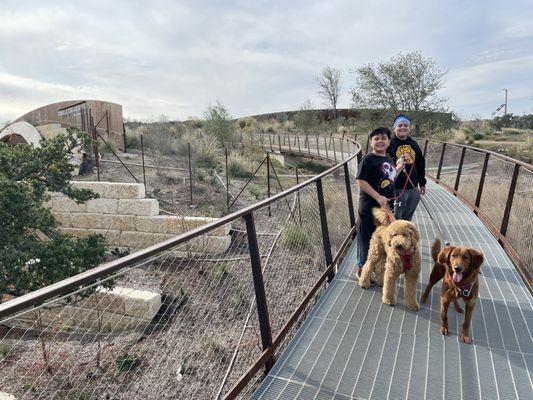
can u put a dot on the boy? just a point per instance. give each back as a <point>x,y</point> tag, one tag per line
<point>375,178</point>
<point>403,146</point>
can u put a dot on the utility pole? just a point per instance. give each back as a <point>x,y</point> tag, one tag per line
<point>505,109</point>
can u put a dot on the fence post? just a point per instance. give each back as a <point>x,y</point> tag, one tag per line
<point>326,145</point>
<point>317,145</point>
<point>95,144</point>
<point>459,169</point>
<point>142,158</point>
<point>190,170</point>
<point>482,180</point>
<point>324,227</point>
<point>270,141</point>
<point>349,195</point>
<point>279,144</point>
<point>342,149</point>
<point>334,151</point>
<point>260,295</point>
<point>425,148</point>
<point>290,149</point>
<point>441,160</point>
<point>299,148</point>
<point>227,179</point>
<point>509,203</point>
<point>298,195</point>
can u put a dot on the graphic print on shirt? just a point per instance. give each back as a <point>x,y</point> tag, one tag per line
<point>406,151</point>
<point>389,174</point>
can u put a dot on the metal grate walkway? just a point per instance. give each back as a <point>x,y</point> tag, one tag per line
<point>354,347</point>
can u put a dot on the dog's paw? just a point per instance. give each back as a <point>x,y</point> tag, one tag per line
<point>363,284</point>
<point>388,302</point>
<point>464,338</point>
<point>423,299</point>
<point>444,330</point>
<point>413,307</point>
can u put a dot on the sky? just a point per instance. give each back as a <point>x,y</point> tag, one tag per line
<point>175,58</point>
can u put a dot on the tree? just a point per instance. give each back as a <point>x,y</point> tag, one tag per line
<point>329,83</point>
<point>218,123</point>
<point>407,82</point>
<point>306,117</point>
<point>33,253</point>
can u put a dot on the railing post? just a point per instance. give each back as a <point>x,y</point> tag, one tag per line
<point>142,157</point>
<point>459,169</point>
<point>349,195</point>
<point>190,170</point>
<point>324,227</point>
<point>268,183</point>
<point>425,148</point>
<point>482,180</point>
<point>509,203</point>
<point>441,160</point>
<point>260,295</point>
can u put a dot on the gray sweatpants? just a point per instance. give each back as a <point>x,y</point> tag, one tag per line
<point>405,206</point>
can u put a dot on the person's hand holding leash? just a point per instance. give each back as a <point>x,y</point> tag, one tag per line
<point>423,190</point>
<point>382,201</point>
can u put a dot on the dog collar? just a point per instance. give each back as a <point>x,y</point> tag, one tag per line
<point>466,291</point>
<point>406,260</point>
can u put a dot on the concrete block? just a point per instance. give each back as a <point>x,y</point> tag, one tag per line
<point>138,240</point>
<point>64,204</point>
<point>63,219</point>
<point>176,225</point>
<point>138,206</point>
<point>98,187</point>
<point>7,396</point>
<point>103,221</point>
<point>112,236</point>
<point>103,206</point>
<point>124,191</point>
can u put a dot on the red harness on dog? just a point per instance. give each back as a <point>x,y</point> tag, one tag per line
<point>406,260</point>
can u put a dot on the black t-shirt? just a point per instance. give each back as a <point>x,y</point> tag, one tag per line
<point>415,164</point>
<point>380,173</point>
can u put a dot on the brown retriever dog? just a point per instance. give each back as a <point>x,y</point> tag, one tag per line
<point>459,266</point>
<point>394,250</point>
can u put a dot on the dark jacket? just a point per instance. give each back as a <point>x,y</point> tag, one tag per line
<point>414,161</point>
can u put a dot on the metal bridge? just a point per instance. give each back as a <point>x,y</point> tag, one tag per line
<point>283,300</point>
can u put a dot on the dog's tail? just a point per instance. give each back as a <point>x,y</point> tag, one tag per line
<point>435,249</point>
<point>382,217</point>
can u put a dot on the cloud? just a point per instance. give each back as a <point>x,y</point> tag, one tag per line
<point>176,58</point>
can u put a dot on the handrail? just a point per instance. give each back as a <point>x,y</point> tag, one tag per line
<point>500,232</point>
<point>481,150</point>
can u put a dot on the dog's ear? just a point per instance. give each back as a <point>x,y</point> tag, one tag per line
<point>476,258</point>
<point>444,255</point>
<point>414,232</point>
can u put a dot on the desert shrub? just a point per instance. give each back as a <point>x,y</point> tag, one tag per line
<point>127,362</point>
<point>220,272</point>
<point>218,123</point>
<point>132,142</point>
<point>6,351</point>
<point>256,191</point>
<point>289,125</point>
<point>296,236</point>
<point>207,153</point>
<point>78,395</point>
<point>237,167</point>
<point>511,131</point>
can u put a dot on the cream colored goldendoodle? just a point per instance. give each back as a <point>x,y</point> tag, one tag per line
<point>394,250</point>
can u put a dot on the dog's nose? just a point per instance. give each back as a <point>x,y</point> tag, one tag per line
<point>399,246</point>
<point>457,269</point>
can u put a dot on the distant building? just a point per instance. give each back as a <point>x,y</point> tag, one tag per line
<point>105,115</point>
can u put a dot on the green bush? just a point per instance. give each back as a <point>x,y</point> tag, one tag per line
<point>207,153</point>
<point>132,142</point>
<point>6,351</point>
<point>127,362</point>
<point>237,167</point>
<point>256,192</point>
<point>296,236</point>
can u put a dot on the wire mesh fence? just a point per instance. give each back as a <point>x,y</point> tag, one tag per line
<point>179,320</point>
<point>497,188</point>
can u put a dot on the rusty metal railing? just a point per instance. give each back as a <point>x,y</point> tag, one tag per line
<point>497,188</point>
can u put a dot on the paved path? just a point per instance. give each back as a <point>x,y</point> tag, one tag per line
<point>353,347</point>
